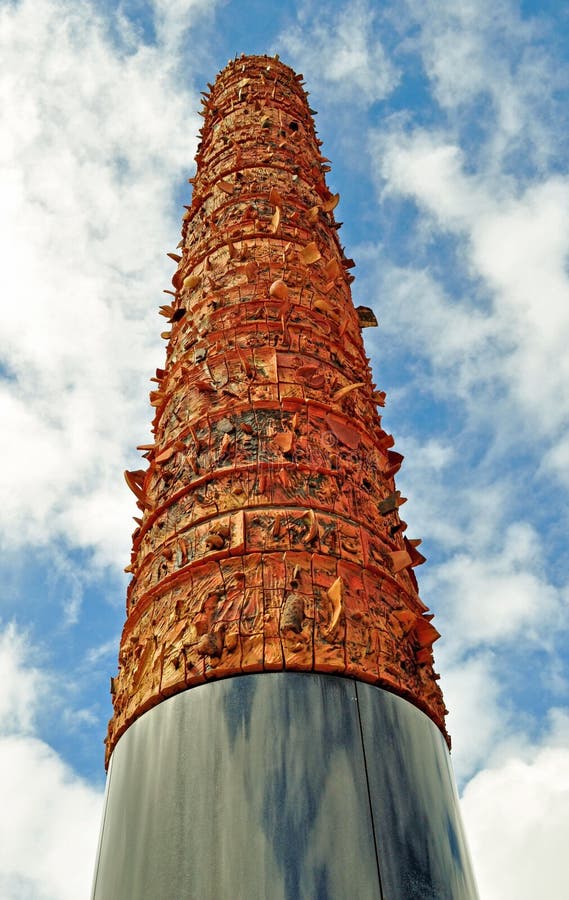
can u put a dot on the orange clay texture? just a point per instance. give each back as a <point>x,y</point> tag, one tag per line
<point>270,535</point>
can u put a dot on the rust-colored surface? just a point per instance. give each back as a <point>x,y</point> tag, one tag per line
<point>270,534</point>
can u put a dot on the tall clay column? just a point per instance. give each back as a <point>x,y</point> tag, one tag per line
<point>270,541</point>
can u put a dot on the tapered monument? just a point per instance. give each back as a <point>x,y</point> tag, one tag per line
<point>278,728</point>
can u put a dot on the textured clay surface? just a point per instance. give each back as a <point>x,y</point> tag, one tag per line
<point>270,534</point>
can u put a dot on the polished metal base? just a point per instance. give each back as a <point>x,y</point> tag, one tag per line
<point>282,786</point>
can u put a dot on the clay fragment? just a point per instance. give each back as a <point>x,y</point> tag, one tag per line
<point>134,481</point>
<point>425,633</point>
<point>278,289</point>
<point>310,254</point>
<point>313,530</point>
<point>284,441</point>
<point>165,455</point>
<point>332,203</point>
<point>275,221</point>
<point>391,503</point>
<point>347,435</point>
<point>190,282</point>
<point>335,595</point>
<point>343,392</point>
<point>400,559</point>
<point>225,445</point>
<point>332,268</point>
<point>307,371</point>
<point>211,644</point>
<point>250,270</point>
<point>366,317</point>
<point>394,461</point>
<point>378,397</point>
<point>405,619</point>
<point>417,559</point>
<point>292,614</point>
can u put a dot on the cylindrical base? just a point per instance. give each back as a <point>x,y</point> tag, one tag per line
<point>282,786</point>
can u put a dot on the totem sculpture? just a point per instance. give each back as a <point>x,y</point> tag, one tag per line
<point>278,730</point>
<point>269,535</point>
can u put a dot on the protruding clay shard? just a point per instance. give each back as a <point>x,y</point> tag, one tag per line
<point>310,254</point>
<point>292,614</point>
<point>269,534</point>
<point>278,289</point>
<point>335,595</point>
<point>366,317</point>
<point>275,221</point>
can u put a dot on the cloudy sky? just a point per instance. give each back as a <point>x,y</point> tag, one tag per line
<point>446,122</point>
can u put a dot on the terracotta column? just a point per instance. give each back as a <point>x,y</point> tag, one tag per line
<point>270,537</point>
<point>270,534</point>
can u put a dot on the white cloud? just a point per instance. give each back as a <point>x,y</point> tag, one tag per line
<point>456,505</point>
<point>173,18</point>
<point>517,818</point>
<point>557,460</point>
<point>50,817</point>
<point>477,718</point>
<point>456,338</point>
<point>513,244</point>
<point>498,341</point>
<point>498,593</point>
<point>22,684</point>
<point>49,826</point>
<point>98,133</point>
<point>340,50</point>
<point>482,55</point>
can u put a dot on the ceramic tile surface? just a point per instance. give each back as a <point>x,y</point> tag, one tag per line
<point>270,534</point>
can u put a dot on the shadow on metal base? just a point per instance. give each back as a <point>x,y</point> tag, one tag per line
<point>282,786</point>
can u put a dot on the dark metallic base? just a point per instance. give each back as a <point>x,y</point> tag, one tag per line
<point>282,786</point>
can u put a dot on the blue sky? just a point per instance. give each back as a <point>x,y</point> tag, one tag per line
<point>445,122</point>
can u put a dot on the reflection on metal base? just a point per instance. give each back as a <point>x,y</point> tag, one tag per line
<point>282,786</point>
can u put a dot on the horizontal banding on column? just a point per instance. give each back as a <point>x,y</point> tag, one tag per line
<point>270,536</point>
